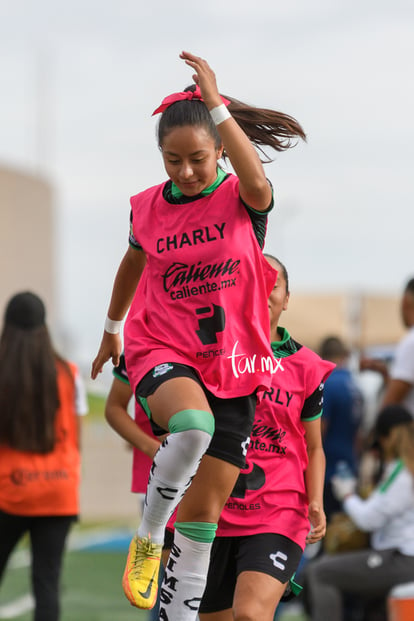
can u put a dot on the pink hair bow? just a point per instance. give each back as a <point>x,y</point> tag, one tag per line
<point>196,94</point>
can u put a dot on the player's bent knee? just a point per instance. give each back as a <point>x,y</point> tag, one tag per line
<point>191,431</point>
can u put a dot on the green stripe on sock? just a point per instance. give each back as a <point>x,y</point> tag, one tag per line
<point>192,419</point>
<point>197,531</point>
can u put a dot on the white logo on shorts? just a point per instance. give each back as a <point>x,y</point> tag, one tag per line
<point>245,446</point>
<point>275,559</point>
<point>161,369</point>
<point>374,560</point>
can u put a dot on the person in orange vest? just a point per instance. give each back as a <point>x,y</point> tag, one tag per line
<point>41,398</point>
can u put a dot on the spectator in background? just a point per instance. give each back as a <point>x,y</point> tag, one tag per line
<point>400,385</point>
<point>397,375</point>
<point>342,416</point>
<point>399,379</point>
<point>40,398</point>
<point>388,514</point>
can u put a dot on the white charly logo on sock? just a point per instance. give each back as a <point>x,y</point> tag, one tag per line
<point>275,559</point>
<point>168,493</point>
<point>245,446</point>
<point>193,603</point>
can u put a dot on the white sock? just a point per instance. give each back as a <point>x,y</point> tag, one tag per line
<point>174,466</point>
<point>184,579</point>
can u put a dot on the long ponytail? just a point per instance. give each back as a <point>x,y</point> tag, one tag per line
<point>265,127</point>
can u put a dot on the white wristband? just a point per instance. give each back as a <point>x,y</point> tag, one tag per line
<point>220,114</point>
<point>112,326</point>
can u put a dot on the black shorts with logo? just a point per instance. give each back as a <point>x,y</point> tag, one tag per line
<point>233,417</point>
<point>268,553</point>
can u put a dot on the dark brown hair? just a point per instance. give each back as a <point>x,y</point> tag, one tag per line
<point>409,287</point>
<point>29,396</point>
<point>264,127</point>
<point>332,348</point>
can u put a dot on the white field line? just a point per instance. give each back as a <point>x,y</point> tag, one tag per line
<point>21,558</point>
<point>17,607</point>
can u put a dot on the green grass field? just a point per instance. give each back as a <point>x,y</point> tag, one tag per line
<point>91,589</point>
<point>96,405</point>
